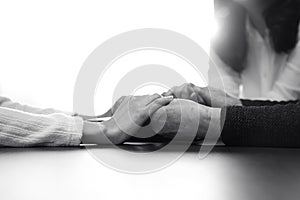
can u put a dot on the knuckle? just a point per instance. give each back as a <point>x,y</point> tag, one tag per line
<point>156,95</point>
<point>191,84</point>
<point>156,102</point>
<point>171,90</point>
<point>185,85</point>
<point>175,90</point>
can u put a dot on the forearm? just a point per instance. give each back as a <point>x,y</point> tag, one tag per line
<point>272,126</point>
<point>21,129</point>
<point>103,133</point>
<point>95,133</point>
<point>223,77</point>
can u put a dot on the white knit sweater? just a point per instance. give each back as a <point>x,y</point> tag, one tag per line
<point>22,125</point>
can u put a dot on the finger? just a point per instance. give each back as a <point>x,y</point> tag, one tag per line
<point>194,97</point>
<point>201,100</point>
<point>158,103</point>
<point>191,85</point>
<point>203,91</point>
<point>197,98</point>
<point>152,98</point>
<point>203,94</point>
<point>174,91</point>
<point>186,92</point>
<point>168,93</point>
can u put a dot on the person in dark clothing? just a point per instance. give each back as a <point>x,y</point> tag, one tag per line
<point>243,122</point>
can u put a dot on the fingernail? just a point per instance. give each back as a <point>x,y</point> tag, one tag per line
<point>168,97</point>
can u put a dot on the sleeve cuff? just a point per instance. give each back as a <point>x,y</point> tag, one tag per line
<point>75,137</point>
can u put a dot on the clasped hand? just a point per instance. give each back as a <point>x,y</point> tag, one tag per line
<point>187,104</point>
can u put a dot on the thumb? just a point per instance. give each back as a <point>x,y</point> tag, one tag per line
<point>203,93</point>
<point>158,103</point>
<point>168,93</point>
<point>194,97</point>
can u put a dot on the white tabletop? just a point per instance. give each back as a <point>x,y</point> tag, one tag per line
<point>226,173</point>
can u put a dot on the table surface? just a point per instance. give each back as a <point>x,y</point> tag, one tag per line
<point>226,173</point>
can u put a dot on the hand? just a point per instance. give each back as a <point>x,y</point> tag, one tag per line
<point>185,91</point>
<point>129,117</point>
<point>190,114</point>
<point>208,96</point>
<point>217,98</point>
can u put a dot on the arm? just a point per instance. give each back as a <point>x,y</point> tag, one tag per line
<point>287,86</point>
<point>223,77</point>
<point>22,126</point>
<point>249,123</point>
<point>217,98</point>
<point>229,47</point>
<point>268,126</point>
<point>21,129</point>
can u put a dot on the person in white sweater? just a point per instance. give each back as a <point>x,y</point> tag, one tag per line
<point>25,126</point>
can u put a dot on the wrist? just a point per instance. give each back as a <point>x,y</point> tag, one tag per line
<point>238,102</point>
<point>114,133</point>
<point>214,114</point>
<point>97,133</point>
<point>234,101</point>
<point>206,115</point>
<point>111,130</point>
<point>215,124</point>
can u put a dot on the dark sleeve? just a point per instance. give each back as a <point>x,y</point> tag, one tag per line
<point>262,126</point>
<point>265,103</point>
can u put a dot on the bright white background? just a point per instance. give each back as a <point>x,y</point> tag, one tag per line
<point>42,47</point>
<point>44,43</point>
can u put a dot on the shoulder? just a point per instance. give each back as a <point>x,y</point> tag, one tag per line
<point>231,43</point>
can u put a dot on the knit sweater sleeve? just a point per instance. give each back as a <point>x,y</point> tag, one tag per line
<point>23,129</point>
<point>276,125</point>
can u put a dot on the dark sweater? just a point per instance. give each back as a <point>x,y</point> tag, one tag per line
<point>262,124</point>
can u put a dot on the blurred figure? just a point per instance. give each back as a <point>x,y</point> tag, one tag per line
<point>257,49</point>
